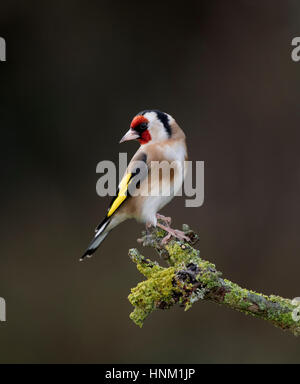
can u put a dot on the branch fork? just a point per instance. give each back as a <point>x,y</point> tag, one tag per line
<point>188,279</point>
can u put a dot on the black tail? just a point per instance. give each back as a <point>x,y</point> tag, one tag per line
<point>101,234</point>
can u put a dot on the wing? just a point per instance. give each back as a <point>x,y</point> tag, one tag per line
<point>122,194</point>
<point>134,169</point>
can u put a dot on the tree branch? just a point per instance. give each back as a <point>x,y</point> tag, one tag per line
<point>190,278</point>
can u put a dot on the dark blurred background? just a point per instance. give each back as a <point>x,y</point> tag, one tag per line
<point>76,74</point>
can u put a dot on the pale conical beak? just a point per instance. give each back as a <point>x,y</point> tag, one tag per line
<point>130,135</point>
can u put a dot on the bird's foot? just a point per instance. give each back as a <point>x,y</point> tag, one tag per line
<point>148,227</point>
<point>167,220</point>
<point>180,235</point>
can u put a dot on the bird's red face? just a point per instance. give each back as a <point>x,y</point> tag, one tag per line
<point>139,129</point>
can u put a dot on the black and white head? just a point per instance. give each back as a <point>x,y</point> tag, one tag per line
<point>151,126</point>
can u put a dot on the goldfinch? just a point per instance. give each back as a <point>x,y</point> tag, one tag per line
<point>161,140</point>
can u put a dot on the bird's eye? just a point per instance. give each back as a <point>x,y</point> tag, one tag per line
<point>143,126</point>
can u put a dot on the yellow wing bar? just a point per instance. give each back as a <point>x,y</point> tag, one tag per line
<point>122,195</point>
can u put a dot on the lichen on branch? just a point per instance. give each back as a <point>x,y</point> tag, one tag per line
<point>188,279</point>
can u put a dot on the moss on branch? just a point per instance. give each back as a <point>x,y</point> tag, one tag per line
<point>188,279</point>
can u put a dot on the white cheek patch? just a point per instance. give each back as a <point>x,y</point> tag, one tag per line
<point>156,127</point>
<point>158,132</point>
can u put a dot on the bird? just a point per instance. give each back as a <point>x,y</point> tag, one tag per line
<point>161,141</point>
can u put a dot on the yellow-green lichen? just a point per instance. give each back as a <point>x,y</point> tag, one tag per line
<point>157,290</point>
<point>276,309</point>
<point>181,253</point>
<point>189,279</point>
